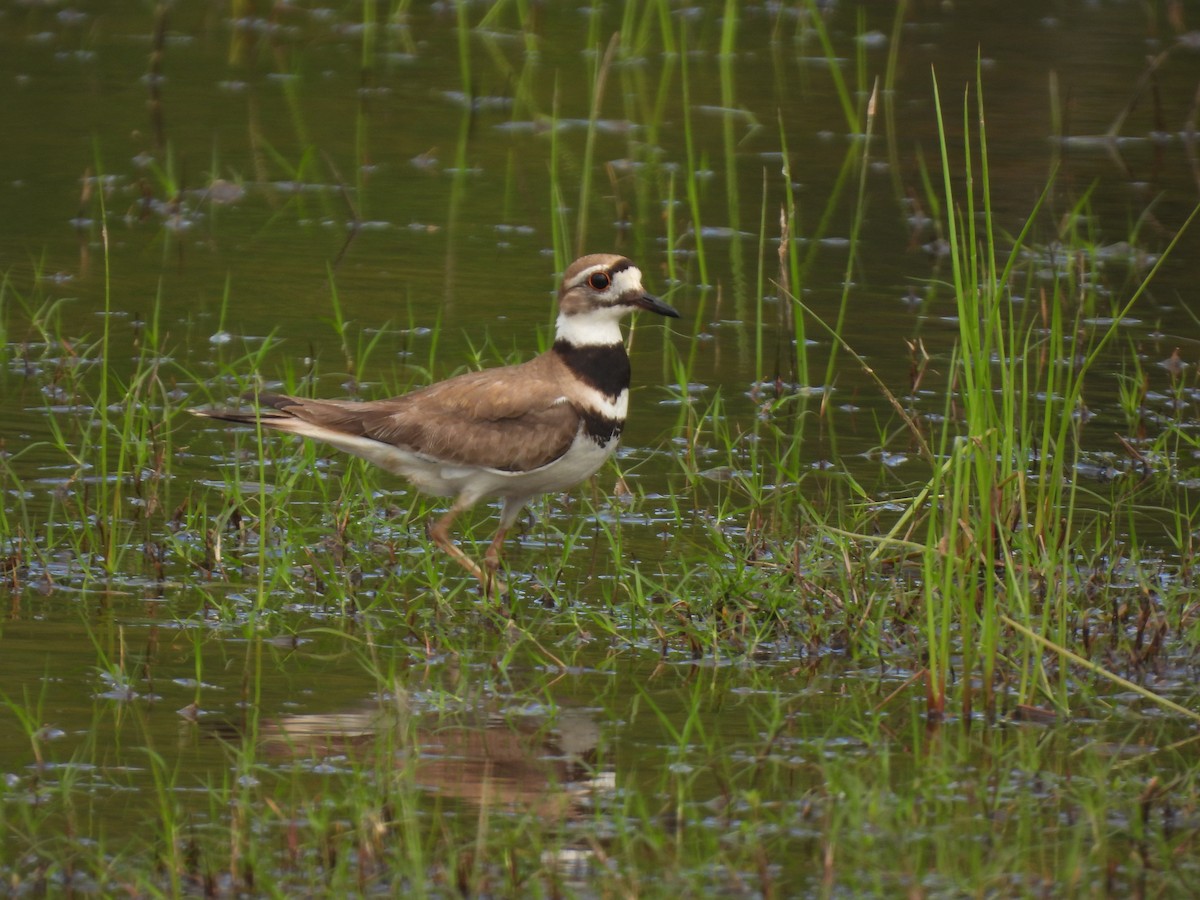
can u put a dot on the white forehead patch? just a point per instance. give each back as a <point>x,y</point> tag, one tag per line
<point>627,280</point>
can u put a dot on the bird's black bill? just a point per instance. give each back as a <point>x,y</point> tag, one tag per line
<point>654,305</point>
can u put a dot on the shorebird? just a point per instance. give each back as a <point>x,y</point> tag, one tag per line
<point>515,432</point>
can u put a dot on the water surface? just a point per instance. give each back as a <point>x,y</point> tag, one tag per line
<point>220,189</point>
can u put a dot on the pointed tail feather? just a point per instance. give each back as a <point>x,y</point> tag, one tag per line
<point>270,411</point>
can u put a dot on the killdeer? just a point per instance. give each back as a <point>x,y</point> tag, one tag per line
<point>514,432</point>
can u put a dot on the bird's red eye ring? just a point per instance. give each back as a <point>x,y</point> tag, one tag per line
<point>599,281</point>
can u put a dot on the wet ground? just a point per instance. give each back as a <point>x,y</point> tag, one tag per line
<point>358,203</point>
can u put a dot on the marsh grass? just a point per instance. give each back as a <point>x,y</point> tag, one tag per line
<point>762,574</point>
<point>1002,533</point>
<point>806,675</point>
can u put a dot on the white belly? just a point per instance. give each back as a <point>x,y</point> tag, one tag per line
<point>581,461</point>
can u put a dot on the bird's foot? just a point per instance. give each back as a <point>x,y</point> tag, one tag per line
<point>493,584</point>
<point>491,566</point>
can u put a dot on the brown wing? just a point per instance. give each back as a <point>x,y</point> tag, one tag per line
<point>512,418</point>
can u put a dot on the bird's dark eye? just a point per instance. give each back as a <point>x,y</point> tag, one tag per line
<point>599,281</point>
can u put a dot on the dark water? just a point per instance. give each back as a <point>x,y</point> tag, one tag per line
<point>245,162</point>
<point>455,202</point>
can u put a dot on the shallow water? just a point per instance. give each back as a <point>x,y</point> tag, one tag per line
<point>250,170</point>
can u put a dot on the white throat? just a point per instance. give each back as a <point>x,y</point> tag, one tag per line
<point>595,328</point>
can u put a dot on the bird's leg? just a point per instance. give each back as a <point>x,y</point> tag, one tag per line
<point>439,531</point>
<point>491,561</point>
